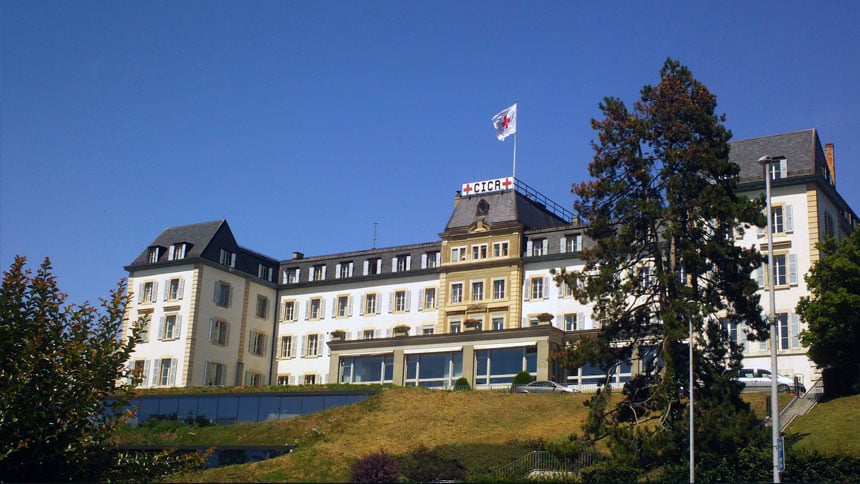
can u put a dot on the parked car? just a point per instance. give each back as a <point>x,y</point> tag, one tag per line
<point>542,387</point>
<point>756,378</point>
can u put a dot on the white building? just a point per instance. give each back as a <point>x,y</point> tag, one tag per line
<point>480,303</point>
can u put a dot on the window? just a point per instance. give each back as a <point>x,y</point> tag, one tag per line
<point>498,289</point>
<point>570,322</point>
<point>315,308</point>
<point>458,254</point>
<point>457,292</point>
<point>538,247</point>
<point>264,272</point>
<point>782,220</point>
<point>370,304</point>
<point>498,323</point>
<point>829,230</point>
<point>291,276</point>
<point>262,306</point>
<point>257,343</point>
<point>780,277</point>
<point>170,326</point>
<point>429,298</point>
<point>174,289</point>
<point>141,371</point>
<point>343,307</point>
<point>778,170</point>
<point>289,313</point>
<point>500,249</point>
<point>368,334</point>
<point>646,278</point>
<point>176,252</point>
<point>479,252</point>
<point>427,330</point>
<point>310,379</point>
<point>477,290</point>
<point>219,332</point>
<point>228,258</point>
<point>215,374</point>
<point>401,263</point>
<point>401,301</point>
<point>253,379</point>
<point>372,266</point>
<point>344,270</point>
<point>312,346</point>
<point>572,243</point>
<point>537,289</point>
<point>166,372</point>
<point>455,327</point>
<point>143,335</point>
<point>287,350</point>
<point>153,255</point>
<point>318,272</point>
<point>147,292</point>
<point>283,380</point>
<point>222,294</point>
<point>483,208</point>
<point>430,260</point>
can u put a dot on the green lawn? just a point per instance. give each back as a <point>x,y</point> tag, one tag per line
<point>832,427</point>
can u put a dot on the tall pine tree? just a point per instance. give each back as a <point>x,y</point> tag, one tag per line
<point>662,209</point>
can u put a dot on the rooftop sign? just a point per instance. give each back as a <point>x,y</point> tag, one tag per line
<point>487,186</point>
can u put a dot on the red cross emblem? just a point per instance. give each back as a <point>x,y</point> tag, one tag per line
<point>507,182</point>
<point>467,189</point>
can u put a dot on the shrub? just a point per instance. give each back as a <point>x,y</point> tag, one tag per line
<point>605,471</point>
<point>425,465</point>
<point>462,384</point>
<point>377,467</point>
<point>523,378</point>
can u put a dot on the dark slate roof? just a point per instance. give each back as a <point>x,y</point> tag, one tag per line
<point>504,207</point>
<point>802,150</point>
<point>197,236</point>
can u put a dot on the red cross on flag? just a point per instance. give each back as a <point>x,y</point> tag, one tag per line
<point>506,122</point>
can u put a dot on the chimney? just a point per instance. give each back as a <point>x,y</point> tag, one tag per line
<point>831,162</point>
<point>298,255</point>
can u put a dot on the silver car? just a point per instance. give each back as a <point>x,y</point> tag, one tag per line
<point>760,379</point>
<point>542,387</point>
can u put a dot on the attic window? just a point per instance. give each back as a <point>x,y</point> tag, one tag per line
<point>483,208</point>
<point>176,251</point>
<point>153,255</point>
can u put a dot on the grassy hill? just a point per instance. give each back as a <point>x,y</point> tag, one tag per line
<point>482,430</point>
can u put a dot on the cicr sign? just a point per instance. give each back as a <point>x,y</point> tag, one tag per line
<point>487,186</point>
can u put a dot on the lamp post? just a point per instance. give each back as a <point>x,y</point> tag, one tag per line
<point>766,162</point>
<point>691,304</point>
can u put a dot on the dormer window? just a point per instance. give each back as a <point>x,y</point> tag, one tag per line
<point>177,251</point>
<point>483,208</point>
<point>228,258</point>
<point>154,253</point>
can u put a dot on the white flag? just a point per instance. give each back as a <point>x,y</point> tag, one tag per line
<point>506,122</point>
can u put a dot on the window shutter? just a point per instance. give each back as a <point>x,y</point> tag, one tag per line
<point>232,259</point>
<point>783,168</point>
<point>304,347</point>
<point>394,264</point>
<point>212,329</point>
<point>421,300</point>
<point>322,308</point>
<point>337,271</point>
<point>153,296</point>
<point>349,306</point>
<point>181,287</point>
<point>366,266</point>
<point>424,261</point>
<point>562,245</point>
<point>335,303</point>
<point>527,290</point>
<point>140,293</point>
<point>559,321</point>
<point>229,296</point>
<point>269,274</point>
<point>579,243</point>
<point>308,311</point>
<point>156,370</point>
<point>408,299</point>
<point>789,218</point>
<point>160,329</point>
<point>438,258</point>
<point>145,377</point>
<point>226,334</point>
<point>529,248</point>
<point>166,288</point>
<point>408,262</point>
<point>178,328</point>
<point>251,342</point>
<point>170,252</point>
<point>217,290</point>
<point>323,272</point>
<point>378,303</point>
<point>795,330</point>
<point>171,377</point>
<point>362,306</point>
<point>546,287</point>
<point>792,269</point>
<point>391,302</point>
<point>543,244</point>
<point>379,266</point>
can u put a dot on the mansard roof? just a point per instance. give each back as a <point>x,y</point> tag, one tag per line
<point>801,149</point>
<point>500,209</point>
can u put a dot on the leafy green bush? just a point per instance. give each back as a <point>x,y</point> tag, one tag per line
<point>606,471</point>
<point>376,467</point>
<point>523,378</point>
<point>425,465</point>
<point>462,384</point>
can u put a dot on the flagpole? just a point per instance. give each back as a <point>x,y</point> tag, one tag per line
<point>515,157</point>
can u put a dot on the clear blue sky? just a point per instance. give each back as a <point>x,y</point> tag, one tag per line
<point>303,123</point>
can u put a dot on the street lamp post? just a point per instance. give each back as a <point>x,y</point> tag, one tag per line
<point>766,162</point>
<point>692,380</point>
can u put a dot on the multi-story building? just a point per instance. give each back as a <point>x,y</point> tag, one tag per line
<point>480,303</point>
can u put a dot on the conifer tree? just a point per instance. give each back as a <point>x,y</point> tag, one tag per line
<point>661,208</point>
